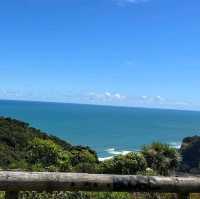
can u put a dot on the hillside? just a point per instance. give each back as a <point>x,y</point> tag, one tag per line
<point>25,147</point>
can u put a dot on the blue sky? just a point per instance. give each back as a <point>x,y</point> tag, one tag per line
<point>118,52</point>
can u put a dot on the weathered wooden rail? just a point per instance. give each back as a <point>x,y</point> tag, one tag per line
<point>13,182</point>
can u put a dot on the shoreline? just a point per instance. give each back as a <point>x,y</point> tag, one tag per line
<point>112,152</point>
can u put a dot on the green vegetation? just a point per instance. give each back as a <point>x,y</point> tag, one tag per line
<point>131,163</point>
<point>161,158</point>
<point>25,148</point>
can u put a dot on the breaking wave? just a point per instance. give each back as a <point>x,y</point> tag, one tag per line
<point>113,152</point>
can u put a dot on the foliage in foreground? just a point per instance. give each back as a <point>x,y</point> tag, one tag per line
<point>97,195</point>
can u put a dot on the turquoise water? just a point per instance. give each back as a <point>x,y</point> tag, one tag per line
<point>108,130</point>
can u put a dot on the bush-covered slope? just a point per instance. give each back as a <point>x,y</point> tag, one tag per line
<point>24,147</point>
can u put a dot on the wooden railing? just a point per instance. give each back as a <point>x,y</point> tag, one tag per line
<point>13,182</point>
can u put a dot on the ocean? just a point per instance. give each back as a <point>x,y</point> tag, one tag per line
<point>106,129</point>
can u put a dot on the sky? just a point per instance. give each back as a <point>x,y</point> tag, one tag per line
<point>111,52</point>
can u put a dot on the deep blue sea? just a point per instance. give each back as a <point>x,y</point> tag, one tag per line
<point>108,130</point>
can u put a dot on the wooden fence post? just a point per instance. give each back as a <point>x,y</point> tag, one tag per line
<point>11,195</point>
<point>183,195</point>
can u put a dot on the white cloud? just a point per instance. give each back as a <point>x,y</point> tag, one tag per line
<point>159,101</point>
<point>157,98</point>
<point>9,93</point>
<point>144,97</point>
<point>106,96</point>
<point>118,96</point>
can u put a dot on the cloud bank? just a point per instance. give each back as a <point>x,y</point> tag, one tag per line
<point>101,98</point>
<point>109,98</point>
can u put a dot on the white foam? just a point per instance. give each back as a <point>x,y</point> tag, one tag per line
<point>125,152</point>
<point>176,145</point>
<point>106,158</point>
<point>113,152</point>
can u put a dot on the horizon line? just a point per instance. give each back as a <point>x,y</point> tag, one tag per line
<point>105,105</point>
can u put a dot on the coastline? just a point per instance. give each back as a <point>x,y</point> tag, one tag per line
<point>104,128</point>
<point>113,152</point>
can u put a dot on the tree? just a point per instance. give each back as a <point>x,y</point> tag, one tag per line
<point>161,157</point>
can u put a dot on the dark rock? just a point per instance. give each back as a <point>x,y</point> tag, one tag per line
<point>190,151</point>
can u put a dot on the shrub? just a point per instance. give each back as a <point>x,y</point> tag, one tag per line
<point>48,154</point>
<point>125,164</point>
<point>161,157</point>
